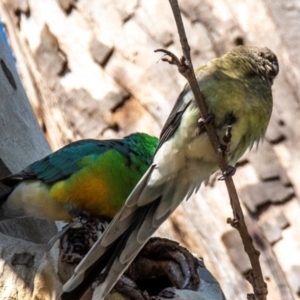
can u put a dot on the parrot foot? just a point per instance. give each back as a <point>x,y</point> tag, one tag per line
<point>80,237</point>
<point>227,137</point>
<point>228,173</point>
<point>224,148</point>
<point>80,214</point>
<point>233,222</point>
<point>207,120</point>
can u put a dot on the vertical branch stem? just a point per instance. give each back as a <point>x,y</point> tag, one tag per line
<point>256,276</point>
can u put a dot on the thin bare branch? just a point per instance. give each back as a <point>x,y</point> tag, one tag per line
<point>256,277</point>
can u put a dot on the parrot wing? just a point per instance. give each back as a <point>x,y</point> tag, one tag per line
<point>174,118</point>
<point>56,166</point>
<point>183,101</point>
<point>146,208</point>
<point>64,162</point>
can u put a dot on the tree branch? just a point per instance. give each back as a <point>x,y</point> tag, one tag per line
<point>238,222</point>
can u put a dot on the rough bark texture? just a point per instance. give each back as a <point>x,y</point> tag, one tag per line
<point>21,143</point>
<point>89,70</point>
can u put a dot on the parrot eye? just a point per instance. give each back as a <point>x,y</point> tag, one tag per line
<point>269,59</point>
<point>273,64</point>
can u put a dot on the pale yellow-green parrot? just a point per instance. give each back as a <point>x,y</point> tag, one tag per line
<point>237,92</point>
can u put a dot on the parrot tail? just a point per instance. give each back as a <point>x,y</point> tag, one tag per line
<point>8,186</point>
<point>3,199</point>
<point>10,183</point>
<point>109,260</point>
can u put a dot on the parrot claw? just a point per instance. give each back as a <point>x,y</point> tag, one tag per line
<point>207,120</point>
<point>81,215</point>
<point>228,173</point>
<point>233,222</point>
<point>227,137</point>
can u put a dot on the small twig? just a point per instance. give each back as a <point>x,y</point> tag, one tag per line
<point>186,69</point>
<point>174,60</point>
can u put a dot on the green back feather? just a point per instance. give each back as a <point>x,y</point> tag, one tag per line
<point>64,162</point>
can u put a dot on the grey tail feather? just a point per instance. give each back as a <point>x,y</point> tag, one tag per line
<point>3,199</point>
<point>107,259</point>
<point>14,179</point>
<point>6,188</point>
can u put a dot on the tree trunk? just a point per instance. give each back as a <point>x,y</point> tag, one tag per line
<point>21,143</point>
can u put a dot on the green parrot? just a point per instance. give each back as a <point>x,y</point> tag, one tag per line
<point>90,176</point>
<point>237,92</point>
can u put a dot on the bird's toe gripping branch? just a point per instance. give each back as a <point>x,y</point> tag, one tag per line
<point>228,173</point>
<point>79,214</point>
<point>233,222</point>
<point>227,137</point>
<point>207,120</point>
<point>224,148</point>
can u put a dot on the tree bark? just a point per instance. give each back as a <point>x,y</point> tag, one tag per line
<point>21,143</point>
